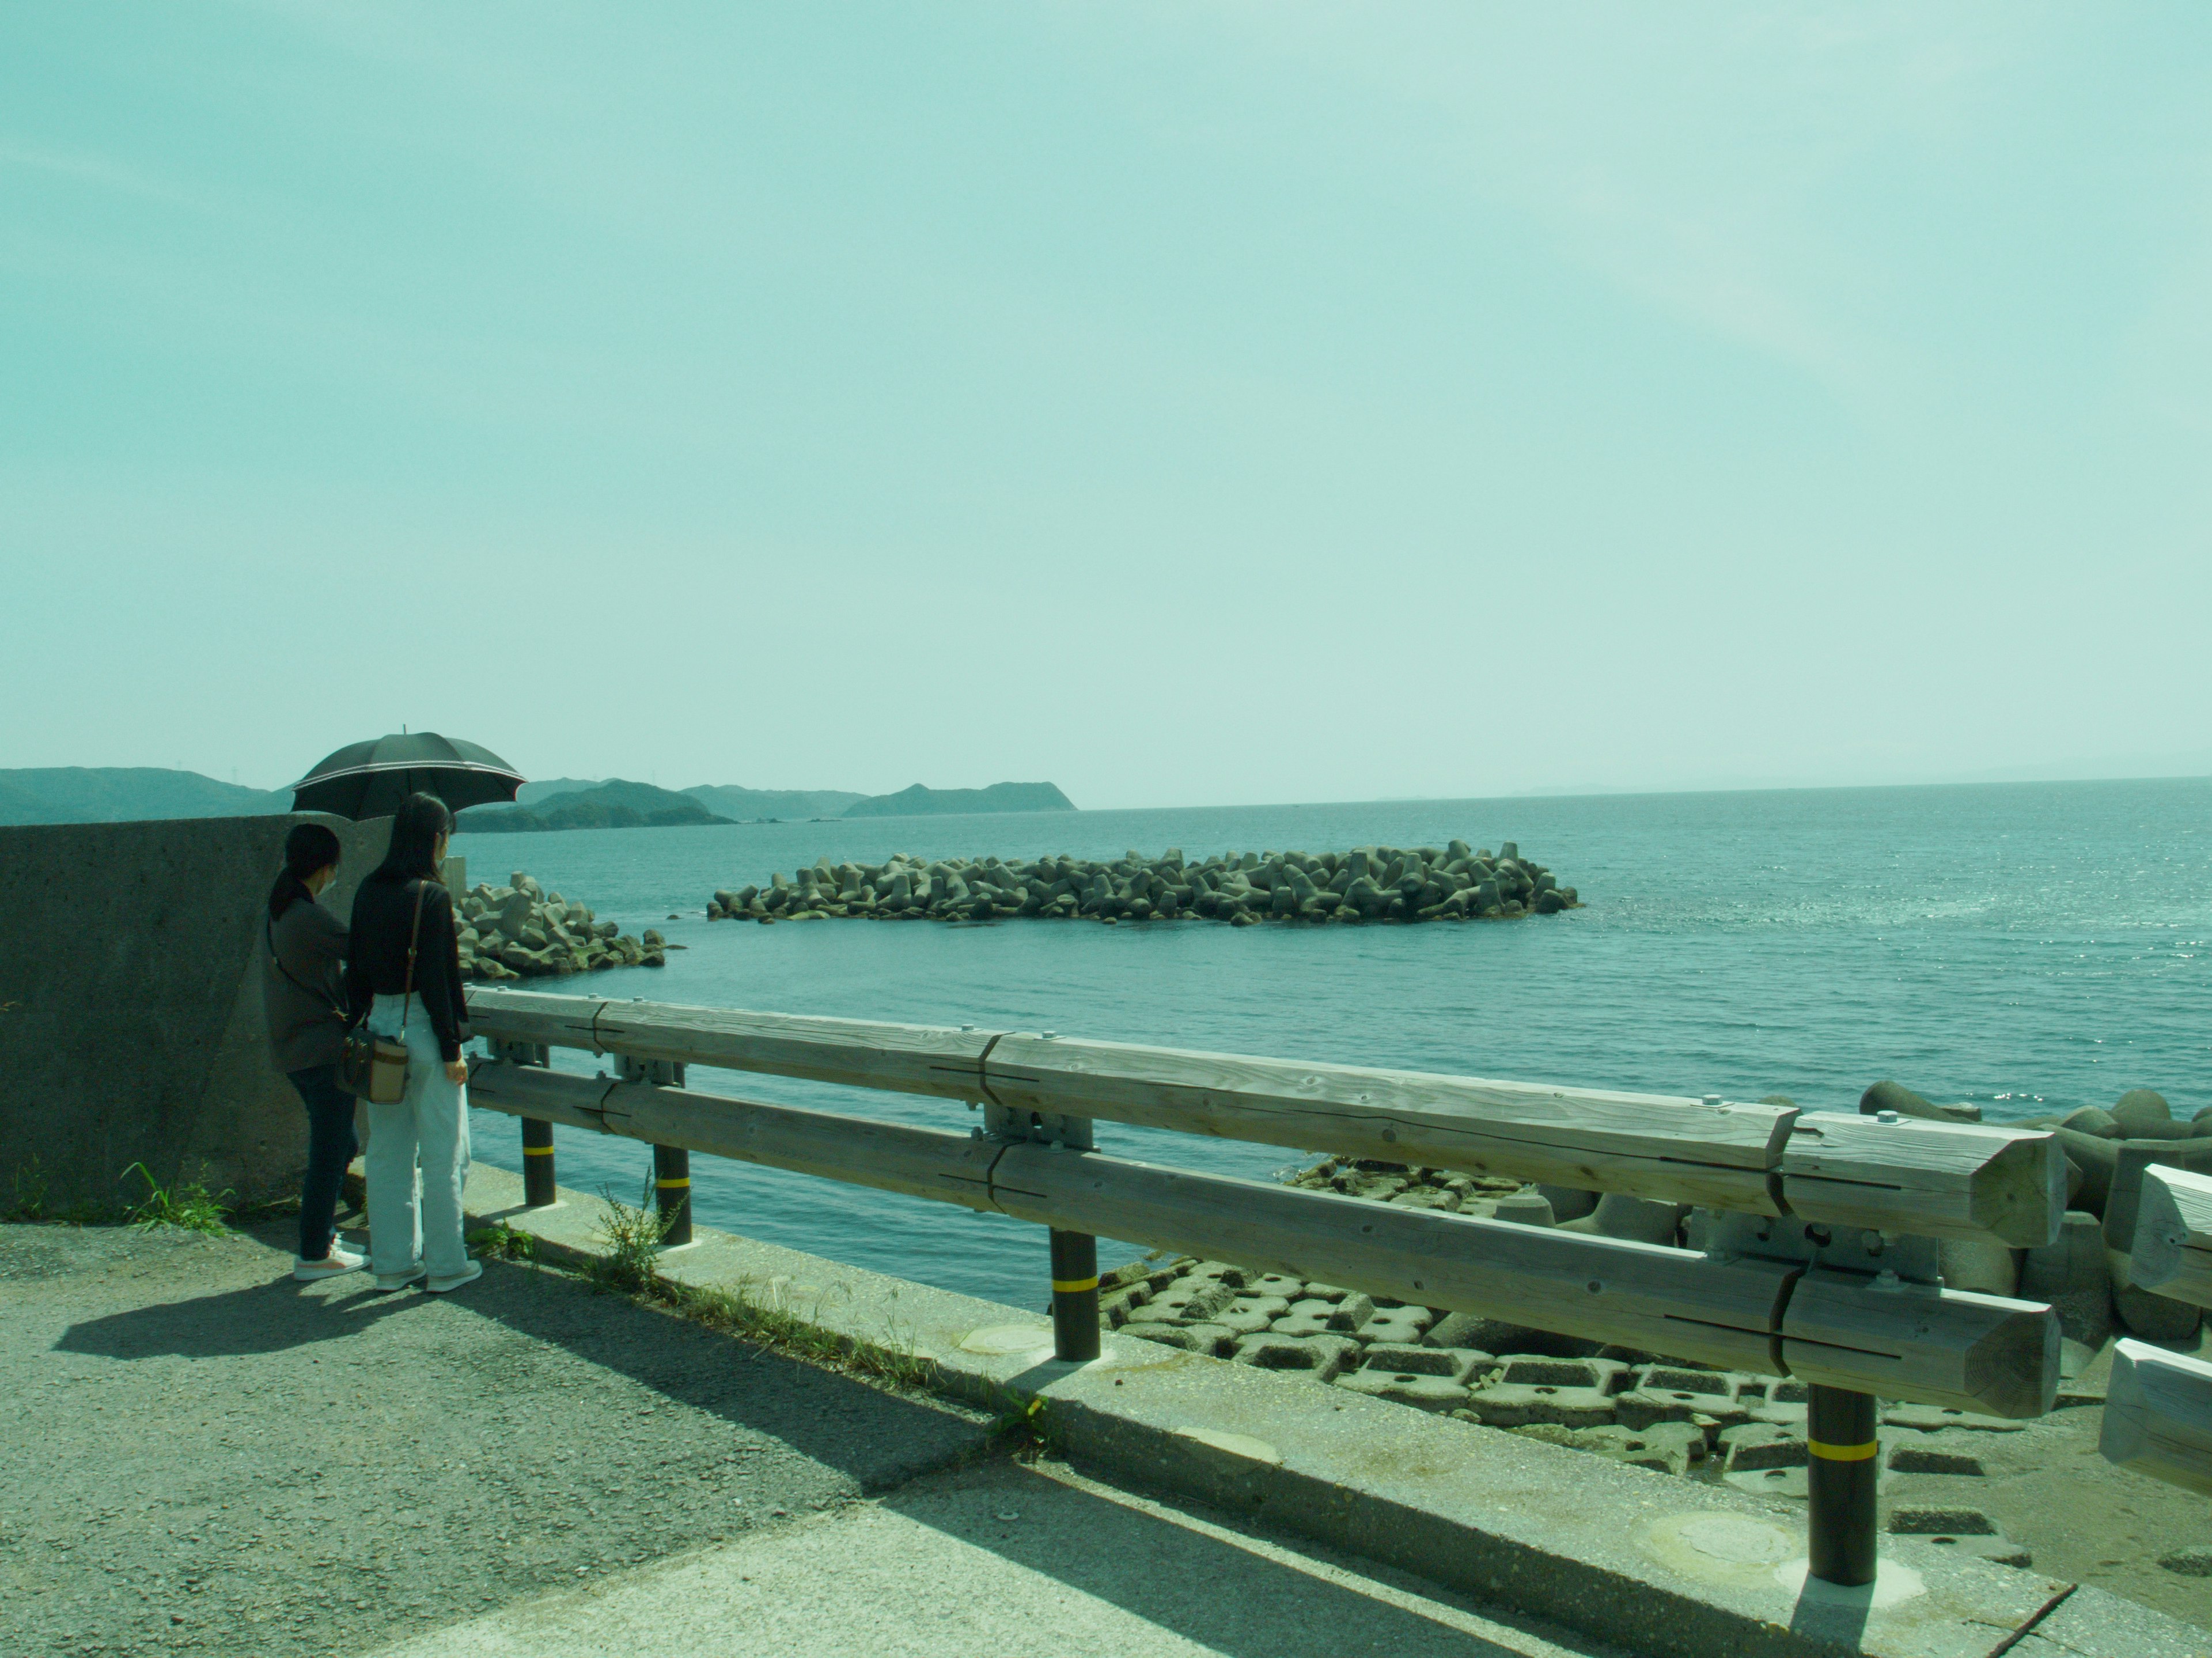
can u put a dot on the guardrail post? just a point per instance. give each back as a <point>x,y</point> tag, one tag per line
<point>1840,1433</point>
<point>672,1165</point>
<point>1074,1255</point>
<point>540,1184</point>
<point>1074,1296</point>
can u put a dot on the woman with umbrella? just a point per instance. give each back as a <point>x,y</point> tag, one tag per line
<point>403,975</point>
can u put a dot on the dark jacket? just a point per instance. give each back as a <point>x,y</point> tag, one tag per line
<point>303,984</point>
<point>376,958</point>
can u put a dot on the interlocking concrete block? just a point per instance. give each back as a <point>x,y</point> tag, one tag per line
<point>1536,1370</point>
<point>1212,1339</point>
<point>1504,1404</point>
<point>1396,1324</point>
<point>1186,1299</point>
<point>1453,1364</point>
<point>1668,1448</point>
<point>1961,1531</point>
<point>1321,1357</point>
<point>1276,1284</point>
<point>1299,1325</point>
<point>1221,1272</point>
<point>1665,1392</point>
<point>1249,1314</point>
<point>1782,1402</point>
<point>1929,1418</point>
<point>1492,1335</point>
<point>1931,1454</point>
<point>1426,1393</point>
<point>1330,1293</point>
<point>1751,1445</point>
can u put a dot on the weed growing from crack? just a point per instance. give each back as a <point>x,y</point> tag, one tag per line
<point>503,1242</point>
<point>631,1234</point>
<point>190,1208</point>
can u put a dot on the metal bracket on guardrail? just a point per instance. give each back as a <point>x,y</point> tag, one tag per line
<point>1727,1235</point>
<point>1013,1123</point>
<point>1842,1427</point>
<point>1074,1255</point>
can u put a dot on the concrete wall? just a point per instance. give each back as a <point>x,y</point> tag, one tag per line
<point>130,1021</point>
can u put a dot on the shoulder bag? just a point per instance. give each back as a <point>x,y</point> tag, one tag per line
<point>372,1067</point>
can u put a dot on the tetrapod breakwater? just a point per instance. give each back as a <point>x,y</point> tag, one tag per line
<point>1456,882</point>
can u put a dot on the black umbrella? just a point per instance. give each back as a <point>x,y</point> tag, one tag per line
<point>369,780</point>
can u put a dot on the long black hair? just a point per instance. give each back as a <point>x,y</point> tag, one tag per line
<point>308,848</point>
<point>416,827</point>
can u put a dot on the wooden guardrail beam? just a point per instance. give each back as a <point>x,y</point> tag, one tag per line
<point>1941,1347</point>
<point>907,1059</point>
<point>2158,1415</point>
<point>1938,1179</point>
<point>1681,1150</point>
<point>2173,1244</point>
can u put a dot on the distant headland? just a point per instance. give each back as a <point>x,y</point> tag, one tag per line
<point>570,802</point>
<point>120,794</point>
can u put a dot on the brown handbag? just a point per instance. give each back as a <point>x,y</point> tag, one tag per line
<point>372,1067</point>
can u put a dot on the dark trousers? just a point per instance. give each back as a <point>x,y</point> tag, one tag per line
<point>331,1147</point>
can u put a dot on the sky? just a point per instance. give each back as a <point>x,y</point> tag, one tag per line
<point>1187,403</point>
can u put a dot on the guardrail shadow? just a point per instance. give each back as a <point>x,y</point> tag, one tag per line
<point>1191,1575</point>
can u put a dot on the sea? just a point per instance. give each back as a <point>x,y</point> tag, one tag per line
<point>2029,947</point>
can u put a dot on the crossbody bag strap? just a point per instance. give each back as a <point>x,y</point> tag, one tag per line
<point>414,939</point>
<point>269,930</point>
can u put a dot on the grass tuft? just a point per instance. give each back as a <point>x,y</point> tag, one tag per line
<point>30,1199</point>
<point>190,1208</point>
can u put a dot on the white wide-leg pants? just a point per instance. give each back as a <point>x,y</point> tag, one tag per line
<point>423,1135</point>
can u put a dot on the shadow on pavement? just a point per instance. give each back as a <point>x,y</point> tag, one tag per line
<point>261,1318</point>
<point>1227,1598</point>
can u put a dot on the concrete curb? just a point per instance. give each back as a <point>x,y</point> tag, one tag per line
<point>1623,1554</point>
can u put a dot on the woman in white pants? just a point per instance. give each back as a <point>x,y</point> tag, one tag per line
<point>403,975</point>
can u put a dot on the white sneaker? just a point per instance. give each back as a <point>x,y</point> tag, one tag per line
<point>468,1274</point>
<point>338,1261</point>
<point>399,1280</point>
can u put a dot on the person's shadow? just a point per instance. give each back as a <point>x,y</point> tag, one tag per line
<point>261,1318</point>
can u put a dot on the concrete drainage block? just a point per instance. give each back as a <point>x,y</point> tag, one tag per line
<point>1966,1530</point>
<point>1453,1364</point>
<point>1319,1356</point>
<point>1507,1406</point>
<point>1426,1393</point>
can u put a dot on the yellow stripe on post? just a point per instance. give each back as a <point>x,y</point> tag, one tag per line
<point>666,1184</point>
<point>536,1151</point>
<point>1072,1286</point>
<point>1842,1452</point>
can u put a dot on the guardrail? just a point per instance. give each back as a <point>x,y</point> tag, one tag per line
<point>1807,1271</point>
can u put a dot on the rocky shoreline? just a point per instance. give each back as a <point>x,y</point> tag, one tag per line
<point>521,931</point>
<point>1452,882</point>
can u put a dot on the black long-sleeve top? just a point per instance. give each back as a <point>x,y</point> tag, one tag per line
<point>376,955</point>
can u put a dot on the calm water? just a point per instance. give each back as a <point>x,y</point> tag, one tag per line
<point>2027,946</point>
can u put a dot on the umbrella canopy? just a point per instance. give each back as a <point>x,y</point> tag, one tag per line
<point>369,780</point>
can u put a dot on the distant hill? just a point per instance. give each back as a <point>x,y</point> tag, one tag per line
<point>733,801</point>
<point>126,794</point>
<point>546,788</point>
<point>918,801</point>
<point>612,804</point>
